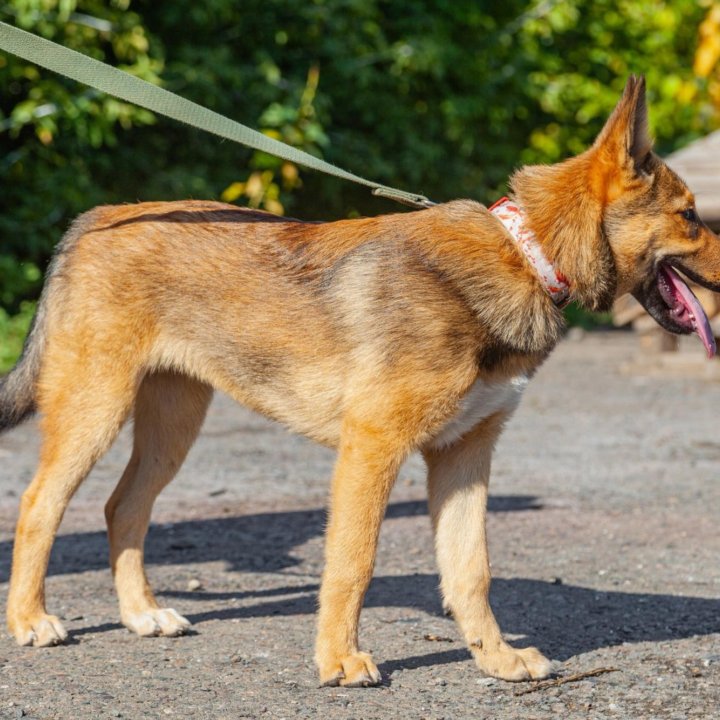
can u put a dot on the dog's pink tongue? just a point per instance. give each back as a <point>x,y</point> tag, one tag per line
<point>686,296</point>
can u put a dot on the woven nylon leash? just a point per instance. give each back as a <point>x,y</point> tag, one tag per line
<point>127,87</point>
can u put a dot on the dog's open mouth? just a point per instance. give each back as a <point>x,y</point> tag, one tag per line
<point>684,309</point>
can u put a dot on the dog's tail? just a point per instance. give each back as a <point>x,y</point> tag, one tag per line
<point>18,388</point>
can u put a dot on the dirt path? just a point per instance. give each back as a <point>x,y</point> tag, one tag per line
<point>604,535</point>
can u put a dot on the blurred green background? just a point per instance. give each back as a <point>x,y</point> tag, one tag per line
<point>443,98</point>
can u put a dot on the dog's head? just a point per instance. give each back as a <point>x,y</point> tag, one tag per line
<point>651,223</point>
<point>617,219</point>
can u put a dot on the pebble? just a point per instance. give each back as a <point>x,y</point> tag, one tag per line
<point>486,681</point>
<point>194,585</point>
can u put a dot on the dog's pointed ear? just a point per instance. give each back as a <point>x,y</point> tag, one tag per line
<point>625,140</point>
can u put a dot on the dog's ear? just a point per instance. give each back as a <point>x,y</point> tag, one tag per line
<point>625,140</point>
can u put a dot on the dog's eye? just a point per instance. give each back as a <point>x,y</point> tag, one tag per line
<point>690,215</point>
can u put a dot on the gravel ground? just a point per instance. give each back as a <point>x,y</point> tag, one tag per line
<point>603,533</point>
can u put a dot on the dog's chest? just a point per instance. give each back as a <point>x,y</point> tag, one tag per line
<point>482,400</point>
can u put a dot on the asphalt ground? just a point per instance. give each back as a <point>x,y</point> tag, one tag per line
<point>604,537</point>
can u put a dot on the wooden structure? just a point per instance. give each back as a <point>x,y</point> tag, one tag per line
<point>698,164</point>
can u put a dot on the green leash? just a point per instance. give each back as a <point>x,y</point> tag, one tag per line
<point>122,85</point>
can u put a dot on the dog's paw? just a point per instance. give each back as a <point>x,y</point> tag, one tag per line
<point>39,631</point>
<point>157,621</point>
<point>508,663</point>
<point>356,670</point>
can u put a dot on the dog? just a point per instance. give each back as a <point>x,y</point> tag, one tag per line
<point>376,336</point>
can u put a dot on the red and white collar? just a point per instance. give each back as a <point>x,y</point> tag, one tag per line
<point>554,282</point>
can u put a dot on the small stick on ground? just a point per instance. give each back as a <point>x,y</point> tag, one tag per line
<point>543,685</point>
<point>437,638</point>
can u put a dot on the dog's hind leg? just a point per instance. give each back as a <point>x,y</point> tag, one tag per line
<point>169,411</point>
<point>82,414</point>
<point>457,494</point>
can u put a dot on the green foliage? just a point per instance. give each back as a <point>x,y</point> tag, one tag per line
<point>578,317</point>
<point>13,331</point>
<point>18,279</point>
<point>445,98</point>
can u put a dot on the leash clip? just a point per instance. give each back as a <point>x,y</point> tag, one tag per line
<point>406,198</point>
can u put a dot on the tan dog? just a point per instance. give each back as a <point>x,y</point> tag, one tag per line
<point>376,336</point>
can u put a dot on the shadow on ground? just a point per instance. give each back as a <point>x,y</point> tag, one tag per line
<point>563,620</point>
<point>261,542</point>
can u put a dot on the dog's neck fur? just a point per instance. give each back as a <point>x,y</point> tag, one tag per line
<point>566,217</point>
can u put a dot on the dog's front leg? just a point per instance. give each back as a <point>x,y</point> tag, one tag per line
<point>458,487</point>
<point>365,472</point>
